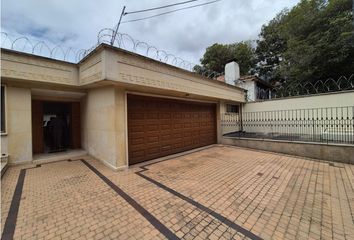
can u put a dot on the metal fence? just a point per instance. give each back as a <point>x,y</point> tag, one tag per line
<point>328,125</point>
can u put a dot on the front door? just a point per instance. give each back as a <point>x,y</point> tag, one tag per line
<point>55,126</point>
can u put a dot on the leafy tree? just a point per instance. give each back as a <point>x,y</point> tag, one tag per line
<point>314,40</point>
<point>270,47</point>
<point>218,55</point>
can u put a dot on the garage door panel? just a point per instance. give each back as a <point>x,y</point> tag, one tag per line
<point>137,153</point>
<point>151,127</point>
<point>137,128</point>
<point>178,145</point>
<point>153,150</point>
<point>166,137</point>
<point>165,115</point>
<point>136,115</point>
<point>152,139</point>
<point>136,141</point>
<point>165,126</point>
<point>187,134</point>
<point>187,142</point>
<point>152,115</point>
<point>178,126</point>
<point>158,127</point>
<point>135,135</point>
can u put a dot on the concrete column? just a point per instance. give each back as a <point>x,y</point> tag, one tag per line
<point>99,125</point>
<point>19,124</point>
<point>121,128</point>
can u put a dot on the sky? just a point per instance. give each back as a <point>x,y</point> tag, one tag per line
<point>186,34</point>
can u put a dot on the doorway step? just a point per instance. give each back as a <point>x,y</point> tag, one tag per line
<point>58,156</point>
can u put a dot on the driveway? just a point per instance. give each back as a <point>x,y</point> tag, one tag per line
<point>220,192</point>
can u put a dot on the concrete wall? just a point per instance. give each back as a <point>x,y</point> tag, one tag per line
<point>98,125</point>
<point>303,115</point>
<point>133,70</point>
<point>31,68</point>
<point>335,153</point>
<point>337,99</point>
<point>17,142</point>
<point>228,121</point>
<point>103,125</point>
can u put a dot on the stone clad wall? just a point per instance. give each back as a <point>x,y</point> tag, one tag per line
<point>98,125</point>
<point>18,128</point>
<point>33,68</point>
<point>105,75</point>
<point>134,70</point>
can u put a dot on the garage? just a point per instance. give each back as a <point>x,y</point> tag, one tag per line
<point>159,127</point>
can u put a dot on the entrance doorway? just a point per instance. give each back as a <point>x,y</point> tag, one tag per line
<point>55,126</point>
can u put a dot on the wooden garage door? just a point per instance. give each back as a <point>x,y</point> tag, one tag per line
<point>158,127</point>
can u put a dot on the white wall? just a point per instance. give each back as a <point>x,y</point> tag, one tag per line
<point>250,86</point>
<point>339,99</point>
<point>229,121</point>
<point>328,115</point>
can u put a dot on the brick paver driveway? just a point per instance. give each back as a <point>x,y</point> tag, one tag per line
<point>217,193</point>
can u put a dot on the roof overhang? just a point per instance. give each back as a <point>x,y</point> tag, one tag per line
<point>107,63</point>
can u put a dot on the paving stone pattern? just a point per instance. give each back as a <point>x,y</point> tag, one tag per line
<point>221,192</point>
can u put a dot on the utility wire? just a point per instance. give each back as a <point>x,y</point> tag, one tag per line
<point>176,10</point>
<point>166,6</point>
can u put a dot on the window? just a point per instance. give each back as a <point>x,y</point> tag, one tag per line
<point>2,109</point>
<point>231,108</point>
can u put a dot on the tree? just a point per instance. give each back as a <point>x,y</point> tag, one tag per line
<point>312,41</point>
<point>270,47</point>
<point>218,55</point>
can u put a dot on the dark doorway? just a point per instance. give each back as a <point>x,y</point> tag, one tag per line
<point>55,125</point>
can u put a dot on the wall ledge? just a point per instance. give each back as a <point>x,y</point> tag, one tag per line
<point>326,152</point>
<point>295,142</point>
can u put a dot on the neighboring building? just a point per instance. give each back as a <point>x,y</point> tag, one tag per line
<point>119,107</point>
<point>256,88</point>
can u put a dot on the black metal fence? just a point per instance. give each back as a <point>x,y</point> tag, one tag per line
<point>328,125</point>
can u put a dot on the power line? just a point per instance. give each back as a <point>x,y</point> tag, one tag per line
<point>166,6</point>
<point>176,10</point>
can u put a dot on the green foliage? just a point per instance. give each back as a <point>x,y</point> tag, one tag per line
<point>217,55</point>
<point>270,46</point>
<point>314,40</point>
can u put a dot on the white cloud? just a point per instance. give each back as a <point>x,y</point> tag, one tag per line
<point>185,34</point>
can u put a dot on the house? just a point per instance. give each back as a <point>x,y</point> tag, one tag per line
<point>256,88</point>
<point>117,106</point>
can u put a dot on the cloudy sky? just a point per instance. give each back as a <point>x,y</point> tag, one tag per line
<point>75,23</point>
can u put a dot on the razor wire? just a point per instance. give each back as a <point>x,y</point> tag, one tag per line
<point>128,43</point>
<point>42,48</point>
<point>343,83</point>
<point>122,41</point>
